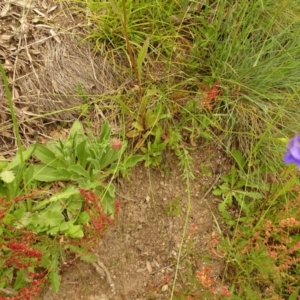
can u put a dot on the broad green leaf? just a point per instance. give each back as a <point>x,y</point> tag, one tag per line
<point>232,175</point>
<point>19,213</point>
<point>57,206</point>
<point>223,211</point>
<point>8,219</point>
<point>3,163</point>
<point>54,278</point>
<point>142,56</point>
<point>74,231</point>
<point>95,165</point>
<point>225,178</point>
<point>7,176</point>
<point>151,118</point>
<point>77,132</point>
<point>108,199</point>
<point>82,153</point>
<point>82,182</point>
<point>21,279</point>
<point>144,150</point>
<point>137,126</point>
<point>206,135</point>
<point>131,161</point>
<point>108,158</point>
<point>73,206</point>
<point>108,204</point>
<point>241,183</point>
<point>46,156</point>
<point>70,191</point>
<point>3,190</point>
<point>54,230</point>
<point>217,192</point>
<point>48,174</point>
<point>24,221</point>
<point>105,132</point>
<point>83,218</point>
<point>224,187</point>
<point>294,295</point>
<point>157,139</point>
<point>93,152</point>
<point>28,180</point>
<point>92,185</point>
<point>239,158</point>
<point>63,227</point>
<point>78,169</point>
<point>51,218</point>
<point>143,105</point>
<point>16,161</point>
<point>111,190</point>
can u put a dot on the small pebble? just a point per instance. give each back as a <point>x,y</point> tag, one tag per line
<point>164,288</point>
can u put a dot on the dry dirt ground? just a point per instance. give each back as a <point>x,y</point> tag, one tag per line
<point>140,253</point>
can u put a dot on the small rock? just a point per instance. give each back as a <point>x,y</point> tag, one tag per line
<point>165,288</point>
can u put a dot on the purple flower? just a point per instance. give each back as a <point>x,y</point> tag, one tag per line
<point>293,152</point>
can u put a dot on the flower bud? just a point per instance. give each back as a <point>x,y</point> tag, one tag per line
<point>116,144</point>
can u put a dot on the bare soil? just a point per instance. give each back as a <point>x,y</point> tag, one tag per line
<point>140,253</point>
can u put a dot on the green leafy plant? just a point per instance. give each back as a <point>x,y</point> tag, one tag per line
<point>81,161</point>
<point>147,121</point>
<point>70,205</point>
<point>237,191</point>
<point>173,208</point>
<point>263,254</point>
<point>154,151</point>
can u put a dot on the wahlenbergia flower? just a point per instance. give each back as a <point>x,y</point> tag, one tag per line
<point>293,152</point>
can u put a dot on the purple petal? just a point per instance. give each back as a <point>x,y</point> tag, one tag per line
<point>290,159</point>
<point>294,147</point>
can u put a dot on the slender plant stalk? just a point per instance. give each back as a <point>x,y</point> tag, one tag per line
<point>12,112</point>
<point>189,206</point>
<point>130,52</point>
<point>17,133</point>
